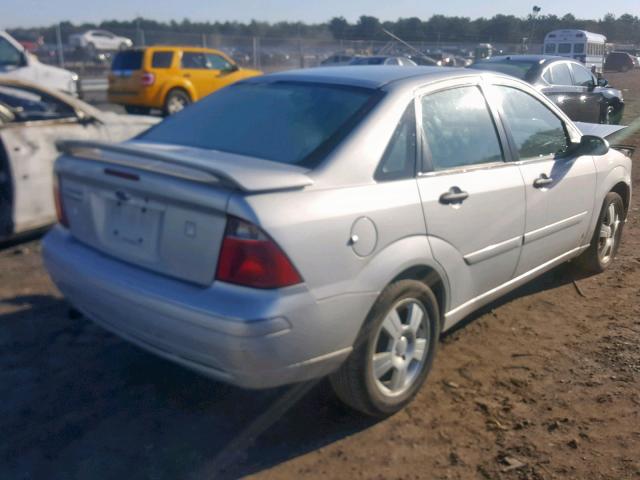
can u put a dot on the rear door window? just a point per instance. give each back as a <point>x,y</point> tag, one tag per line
<point>194,60</point>
<point>162,59</point>
<point>578,48</point>
<point>399,158</point>
<point>128,60</point>
<point>459,129</point>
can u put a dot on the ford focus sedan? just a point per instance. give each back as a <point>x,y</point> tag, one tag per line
<point>332,221</point>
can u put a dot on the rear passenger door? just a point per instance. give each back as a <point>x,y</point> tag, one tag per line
<point>473,200</point>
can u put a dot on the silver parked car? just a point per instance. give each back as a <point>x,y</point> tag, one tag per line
<point>331,221</point>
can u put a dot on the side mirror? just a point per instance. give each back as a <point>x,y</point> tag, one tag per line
<point>231,68</point>
<point>589,145</point>
<point>602,82</point>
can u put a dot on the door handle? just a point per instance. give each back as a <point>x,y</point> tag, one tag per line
<point>542,181</point>
<point>188,75</point>
<point>454,195</point>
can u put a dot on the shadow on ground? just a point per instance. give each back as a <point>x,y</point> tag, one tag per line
<point>80,403</point>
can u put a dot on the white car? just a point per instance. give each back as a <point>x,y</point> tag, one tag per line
<point>32,120</point>
<point>96,40</point>
<point>16,62</point>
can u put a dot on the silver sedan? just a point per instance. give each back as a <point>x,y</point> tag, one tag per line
<point>331,221</point>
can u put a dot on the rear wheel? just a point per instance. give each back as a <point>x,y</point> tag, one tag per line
<point>136,110</point>
<point>606,238</point>
<point>394,352</point>
<point>176,101</point>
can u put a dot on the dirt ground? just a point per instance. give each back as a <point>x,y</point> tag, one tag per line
<point>544,384</point>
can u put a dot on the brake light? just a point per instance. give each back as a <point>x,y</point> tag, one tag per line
<point>249,257</point>
<point>57,196</point>
<point>148,78</point>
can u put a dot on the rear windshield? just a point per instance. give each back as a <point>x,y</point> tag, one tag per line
<point>286,122</point>
<point>128,60</point>
<point>516,69</point>
<point>368,61</point>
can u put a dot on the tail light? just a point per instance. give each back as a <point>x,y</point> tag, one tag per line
<point>249,257</point>
<point>57,195</point>
<point>148,78</point>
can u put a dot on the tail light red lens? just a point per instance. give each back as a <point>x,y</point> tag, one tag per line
<point>148,79</point>
<point>57,196</point>
<point>249,257</point>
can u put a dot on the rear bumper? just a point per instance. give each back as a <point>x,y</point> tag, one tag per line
<point>247,337</point>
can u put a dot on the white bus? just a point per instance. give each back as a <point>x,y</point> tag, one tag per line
<point>586,47</point>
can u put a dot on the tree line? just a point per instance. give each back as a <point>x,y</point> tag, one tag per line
<point>499,28</point>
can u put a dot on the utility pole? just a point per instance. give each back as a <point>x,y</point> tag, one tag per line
<point>59,43</point>
<point>534,14</point>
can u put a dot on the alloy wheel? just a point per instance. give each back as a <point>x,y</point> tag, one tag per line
<point>400,347</point>
<point>608,234</point>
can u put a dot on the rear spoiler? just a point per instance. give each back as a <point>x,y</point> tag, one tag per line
<point>205,166</point>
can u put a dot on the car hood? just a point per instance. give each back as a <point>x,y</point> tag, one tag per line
<point>111,118</point>
<point>597,129</point>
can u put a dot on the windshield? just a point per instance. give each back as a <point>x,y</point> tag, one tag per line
<point>27,104</point>
<point>516,69</point>
<point>284,122</point>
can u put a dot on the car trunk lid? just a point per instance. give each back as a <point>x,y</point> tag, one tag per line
<point>160,207</point>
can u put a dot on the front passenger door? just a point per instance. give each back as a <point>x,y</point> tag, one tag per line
<point>473,201</point>
<point>590,99</point>
<point>560,190</point>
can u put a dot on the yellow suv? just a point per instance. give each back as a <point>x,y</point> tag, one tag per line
<point>169,78</point>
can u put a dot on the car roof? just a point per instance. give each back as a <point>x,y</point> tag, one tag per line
<point>174,48</point>
<point>527,58</point>
<point>365,76</point>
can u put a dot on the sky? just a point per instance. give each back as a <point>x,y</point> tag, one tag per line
<point>29,13</point>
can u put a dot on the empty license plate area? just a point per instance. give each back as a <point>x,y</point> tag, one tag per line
<point>132,225</point>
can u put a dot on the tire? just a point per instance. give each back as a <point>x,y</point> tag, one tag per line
<point>386,392</point>
<point>602,249</point>
<point>176,100</point>
<point>123,46</point>
<point>136,110</point>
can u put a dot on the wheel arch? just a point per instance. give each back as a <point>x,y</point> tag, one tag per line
<point>408,258</point>
<point>185,87</point>
<point>432,279</point>
<point>622,189</point>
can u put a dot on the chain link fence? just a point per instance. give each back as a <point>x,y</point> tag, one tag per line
<point>269,54</point>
